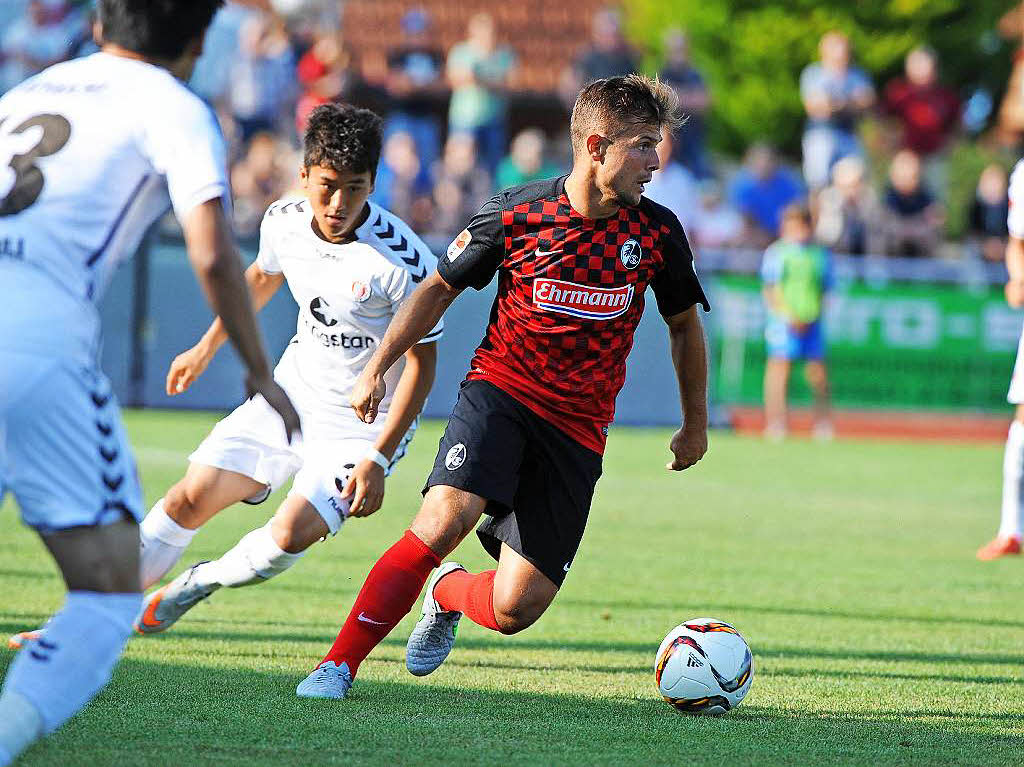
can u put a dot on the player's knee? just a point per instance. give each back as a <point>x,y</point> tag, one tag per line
<point>446,517</point>
<point>515,614</point>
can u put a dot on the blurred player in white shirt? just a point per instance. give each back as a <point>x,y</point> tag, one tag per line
<point>1007,540</point>
<point>92,152</point>
<point>349,264</point>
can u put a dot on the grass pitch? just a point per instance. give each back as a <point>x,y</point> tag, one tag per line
<point>877,637</point>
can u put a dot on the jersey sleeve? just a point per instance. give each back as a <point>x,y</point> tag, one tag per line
<point>1015,218</point>
<point>266,258</point>
<point>475,255</point>
<point>771,266</point>
<point>398,286</point>
<point>676,287</point>
<point>185,145</point>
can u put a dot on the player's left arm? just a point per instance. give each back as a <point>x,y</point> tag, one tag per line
<point>367,480</point>
<point>690,360</point>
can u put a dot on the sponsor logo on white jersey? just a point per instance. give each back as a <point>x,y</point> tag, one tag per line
<point>582,300</point>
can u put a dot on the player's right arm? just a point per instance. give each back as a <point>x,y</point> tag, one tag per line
<point>212,253</point>
<point>191,364</point>
<point>471,261</point>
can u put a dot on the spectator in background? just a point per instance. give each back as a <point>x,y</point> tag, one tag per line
<point>715,224</point>
<point>401,177</point>
<point>416,86</point>
<point>760,190</point>
<point>797,275</point>
<point>928,113</point>
<point>672,185</point>
<point>849,214</point>
<point>461,186</point>
<point>36,40</point>
<point>525,161</point>
<point>261,89</point>
<point>608,54</point>
<point>323,74</point>
<point>257,180</point>
<point>835,95</point>
<point>911,217</point>
<point>694,99</point>
<point>479,72</point>
<point>989,211</point>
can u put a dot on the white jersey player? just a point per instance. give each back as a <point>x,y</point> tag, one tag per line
<point>1008,539</point>
<point>349,265</point>
<point>91,153</point>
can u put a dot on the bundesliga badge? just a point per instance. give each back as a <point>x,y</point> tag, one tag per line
<point>459,245</point>
<point>630,253</point>
<point>360,291</point>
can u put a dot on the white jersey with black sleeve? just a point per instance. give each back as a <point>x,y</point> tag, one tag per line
<point>92,152</point>
<point>347,295</point>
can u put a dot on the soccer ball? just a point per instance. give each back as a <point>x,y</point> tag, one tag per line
<point>703,667</point>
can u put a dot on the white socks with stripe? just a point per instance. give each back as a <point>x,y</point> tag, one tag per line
<point>1013,479</point>
<point>254,559</point>
<point>163,542</point>
<point>54,676</point>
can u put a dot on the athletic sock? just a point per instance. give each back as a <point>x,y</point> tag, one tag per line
<point>254,559</point>
<point>1013,480</point>
<point>470,594</point>
<point>57,674</point>
<point>163,542</point>
<point>387,596</point>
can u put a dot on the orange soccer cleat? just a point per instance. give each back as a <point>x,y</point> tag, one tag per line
<point>19,640</point>
<point>999,546</point>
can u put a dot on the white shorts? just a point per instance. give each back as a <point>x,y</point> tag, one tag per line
<point>251,440</point>
<point>1015,396</point>
<point>63,452</point>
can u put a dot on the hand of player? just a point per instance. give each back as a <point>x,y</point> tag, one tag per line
<point>278,399</point>
<point>688,445</point>
<point>367,483</point>
<point>366,395</point>
<point>185,369</point>
<point>1014,291</point>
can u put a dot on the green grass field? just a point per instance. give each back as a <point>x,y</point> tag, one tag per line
<point>877,637</point>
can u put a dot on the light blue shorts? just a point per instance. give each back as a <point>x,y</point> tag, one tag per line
<point>783,342</point>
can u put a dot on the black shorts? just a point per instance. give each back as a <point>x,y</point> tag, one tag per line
<point>538,481</point>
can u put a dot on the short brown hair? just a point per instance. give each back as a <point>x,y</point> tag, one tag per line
<point>615,104</point>
<point>799,211</point>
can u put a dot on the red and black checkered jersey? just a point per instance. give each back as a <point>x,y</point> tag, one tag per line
<point>570,295</point>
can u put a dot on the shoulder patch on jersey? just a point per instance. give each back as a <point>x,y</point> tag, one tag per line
<point>401,246</point>
<point>459,244</point>
<point>289,206</point>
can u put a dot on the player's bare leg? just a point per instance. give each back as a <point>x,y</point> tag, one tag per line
<point>1008,539</point>
<point>446,516</point>
<point>817,379</point>
<point>776,383</point>
<point>259,556</point>
<point>193,501</point>
<point>72,660</point>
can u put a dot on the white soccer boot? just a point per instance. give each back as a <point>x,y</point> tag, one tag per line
<point>434,634</point>
<point>161,609</point>
<point>328,680</point>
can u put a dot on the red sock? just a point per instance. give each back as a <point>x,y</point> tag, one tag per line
<point>472,595</point>
<point>387,596</point>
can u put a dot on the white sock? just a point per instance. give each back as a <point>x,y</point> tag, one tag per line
<point>61,671</point>
<point>1013,479</point>
<point>254,559</point>
<point>163,543</point>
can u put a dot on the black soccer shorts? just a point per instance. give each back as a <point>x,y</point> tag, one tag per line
<point>538,481</point>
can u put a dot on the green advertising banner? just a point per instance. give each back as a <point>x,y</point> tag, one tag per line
<point>896,345</point>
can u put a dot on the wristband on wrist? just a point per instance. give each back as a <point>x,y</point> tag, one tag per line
<point>375,455</point>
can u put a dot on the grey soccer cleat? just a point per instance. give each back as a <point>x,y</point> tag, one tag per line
<point>328,680</point>
<point>162,609</point>
<point>434,634</point>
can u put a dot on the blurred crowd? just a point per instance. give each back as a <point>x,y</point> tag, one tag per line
<point>448,144</point>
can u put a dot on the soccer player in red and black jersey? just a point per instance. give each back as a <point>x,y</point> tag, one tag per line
<point>574,257</point>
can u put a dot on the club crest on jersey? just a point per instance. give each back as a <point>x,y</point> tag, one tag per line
<point>360,291</point>
<point>581,300</point>
<point>459,245</point>
<point>630,253</point>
